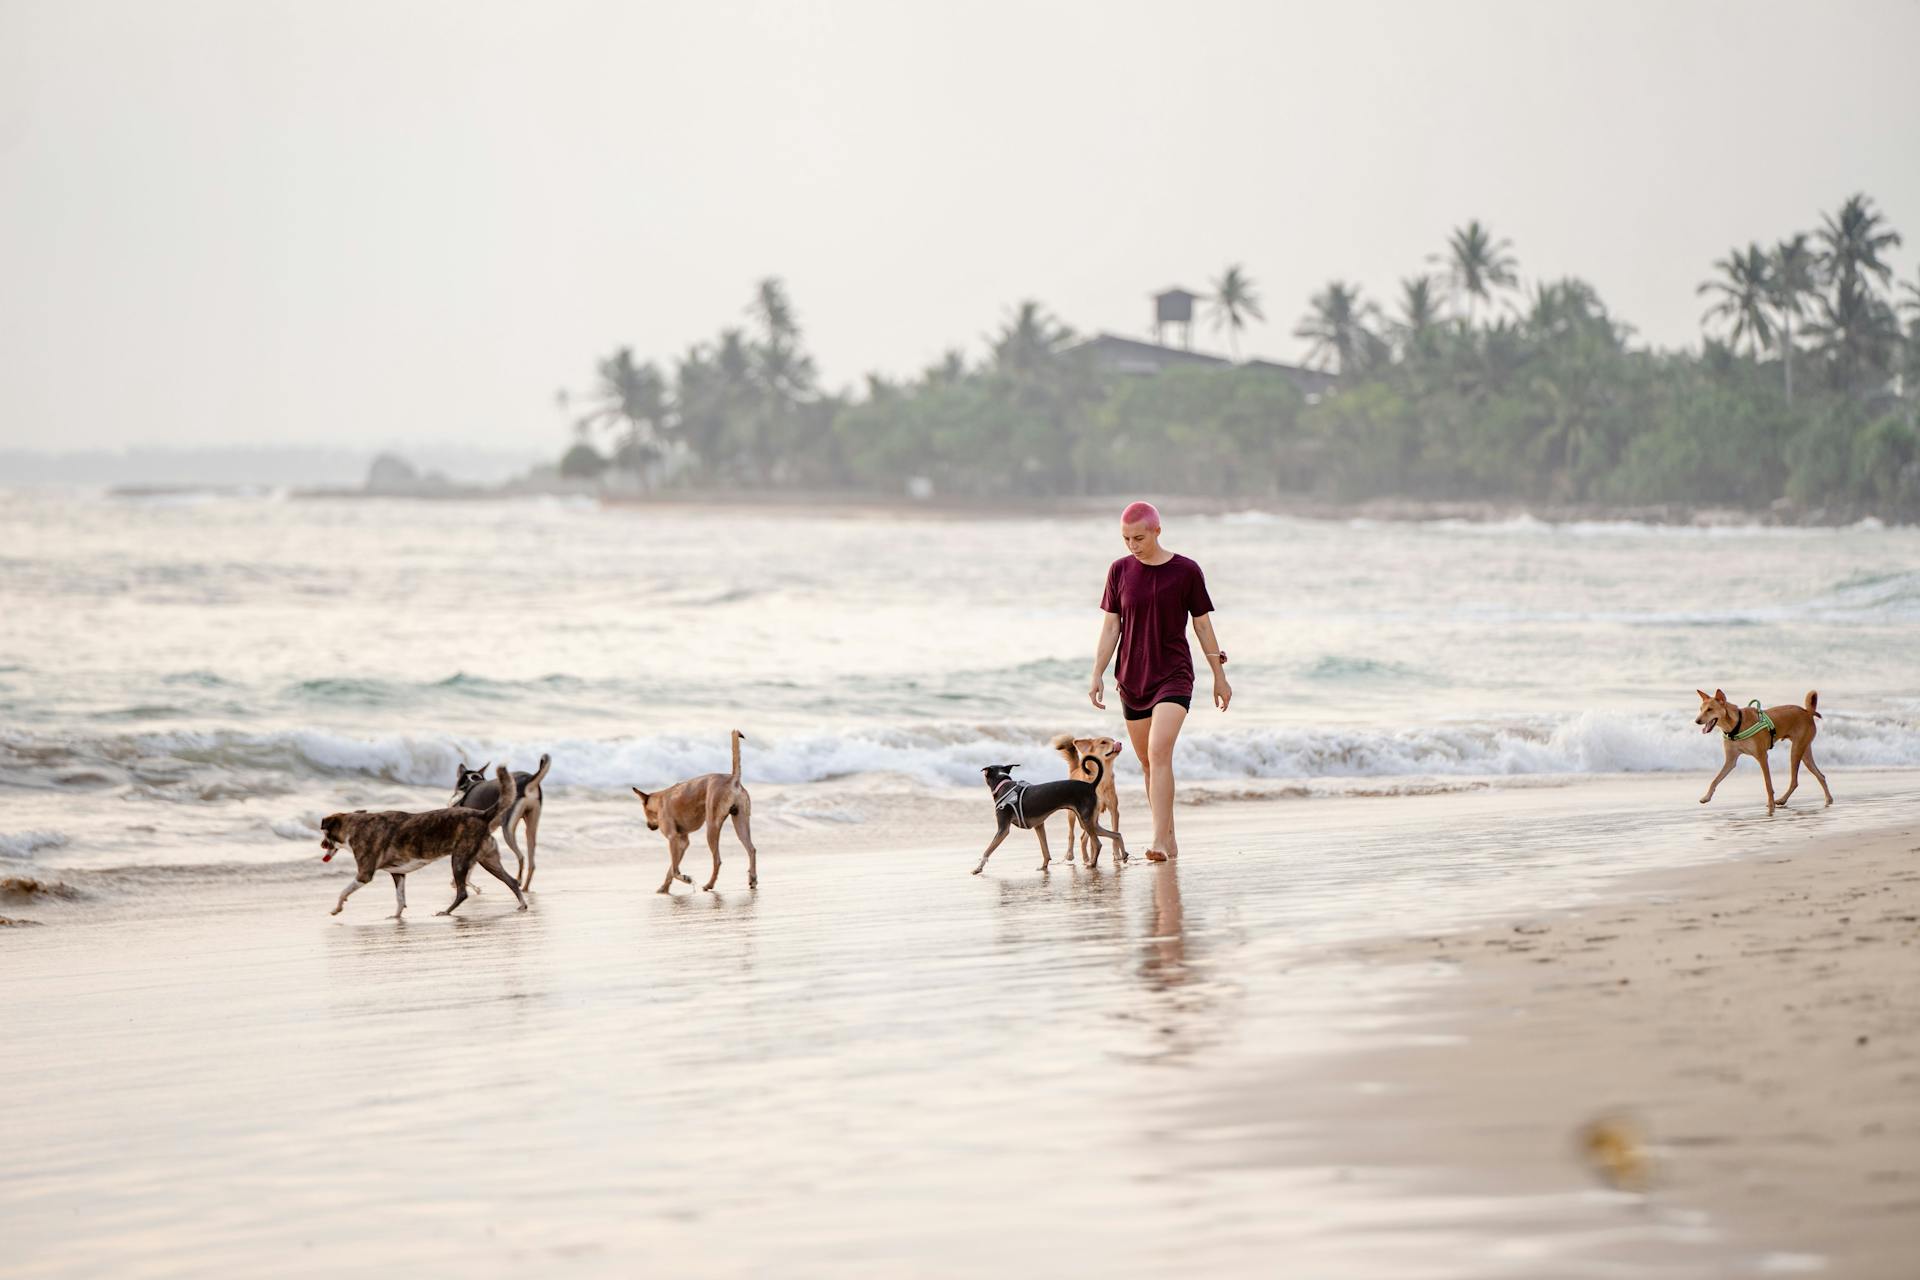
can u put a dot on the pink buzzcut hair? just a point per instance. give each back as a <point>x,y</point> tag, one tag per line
<point>1141,513</point>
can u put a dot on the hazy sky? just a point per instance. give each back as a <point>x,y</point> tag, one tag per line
<point>379,222</point>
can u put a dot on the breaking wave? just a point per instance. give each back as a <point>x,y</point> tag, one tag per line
<point>194,765</point>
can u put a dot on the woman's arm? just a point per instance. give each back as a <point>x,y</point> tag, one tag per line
<point>1102,655</point>
<point>1210,645</point>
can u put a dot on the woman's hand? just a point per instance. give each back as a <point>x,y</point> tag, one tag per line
<point>1098,692</point>
<point>1222,691</point>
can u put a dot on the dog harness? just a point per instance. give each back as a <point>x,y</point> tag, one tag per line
<point>1764,721</point>
<point>1009,798</point>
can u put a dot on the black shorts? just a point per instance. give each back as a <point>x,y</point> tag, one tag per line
<point>1146,713</point>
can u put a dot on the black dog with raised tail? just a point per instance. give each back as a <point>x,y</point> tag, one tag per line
<point>1029,804</point>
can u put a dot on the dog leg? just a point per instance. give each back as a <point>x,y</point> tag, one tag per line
<point>530,823</point>
<point>462,865</point>
<point>713,845</point>
<point>399,894</point>
<point>676,849</point>
<point>1794,752</point>
<point>490,859</point>
<point>998,836</point>
<point>1766,778</point>
<point>1113,808</point>
<point>358,883</point>
<point>1046,855</point>
<point>1119,845</point>
<point>1073,834</point>
<point>1733,758</point>
<point>745,836</point>
<point>1819,777</point>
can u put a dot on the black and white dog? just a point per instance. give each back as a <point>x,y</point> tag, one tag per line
<point>473,789</point>
<point>1028,804</point>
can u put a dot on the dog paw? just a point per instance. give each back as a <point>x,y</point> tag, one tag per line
<point>521,907</point>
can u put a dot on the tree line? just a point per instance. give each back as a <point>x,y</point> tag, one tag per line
<point>1470,386</point>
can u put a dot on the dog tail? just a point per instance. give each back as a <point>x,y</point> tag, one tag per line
<point>737,737</point>
<point>512,800</point>
<point>1063,743</point>
<point>1813,703</point>
<point>1099,777</point>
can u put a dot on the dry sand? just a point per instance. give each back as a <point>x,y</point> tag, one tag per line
<point>1756,1024</point>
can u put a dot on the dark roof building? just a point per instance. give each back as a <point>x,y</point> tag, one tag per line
<point>1114,354</point>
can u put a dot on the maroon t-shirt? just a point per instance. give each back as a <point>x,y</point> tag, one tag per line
<point>1154,602</point>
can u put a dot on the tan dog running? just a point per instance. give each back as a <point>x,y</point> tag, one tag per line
<point>706,800</point>
<point>1106,750</point>
<point>1795,724</point>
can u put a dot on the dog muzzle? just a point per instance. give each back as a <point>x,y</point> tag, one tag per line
<point>331,849</point>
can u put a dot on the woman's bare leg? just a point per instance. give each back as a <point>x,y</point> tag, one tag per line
<point>1163,731</point>
<point>1138,732</point>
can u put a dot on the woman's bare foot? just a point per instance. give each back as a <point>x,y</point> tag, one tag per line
<point>1154,855</point>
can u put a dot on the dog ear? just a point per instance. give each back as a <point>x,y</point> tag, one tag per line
<point>643,795</point>
<point>1083,745</point>
<point>1703,695</point>
<point>1720,694</point>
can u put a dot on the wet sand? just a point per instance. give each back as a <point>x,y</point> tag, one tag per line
<point>878,1064</point>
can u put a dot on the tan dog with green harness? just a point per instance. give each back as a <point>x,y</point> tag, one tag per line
<point>1751,731</point>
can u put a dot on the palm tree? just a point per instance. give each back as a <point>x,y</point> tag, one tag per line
<point>774,310</point>
<point>1029,341</point>
<point>1910,296</point>
<point>1337,328</point>
<point>1858,334</point>
<point>1793,283</point>
<point>1419,316</point>
<point>1570,306</point>
<point>634,395</point>
<point>1233,301</point>
<point>1477,264</point>
<point>1851,244</point>
<point>1745,292</point>
<point>784,374</point>
<point>949,371</point>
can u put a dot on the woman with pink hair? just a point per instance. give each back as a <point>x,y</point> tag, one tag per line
<point>1150,594</point>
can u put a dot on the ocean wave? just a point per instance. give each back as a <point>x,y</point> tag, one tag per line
<point>1344,667</point>
<point>192,766</point>
<point>24,844</point>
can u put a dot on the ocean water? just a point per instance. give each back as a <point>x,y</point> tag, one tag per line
<point>191,681</point>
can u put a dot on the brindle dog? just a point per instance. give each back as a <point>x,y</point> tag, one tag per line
<point>398,843</point>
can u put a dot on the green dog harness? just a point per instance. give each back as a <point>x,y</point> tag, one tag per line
<point>1765,721</point>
